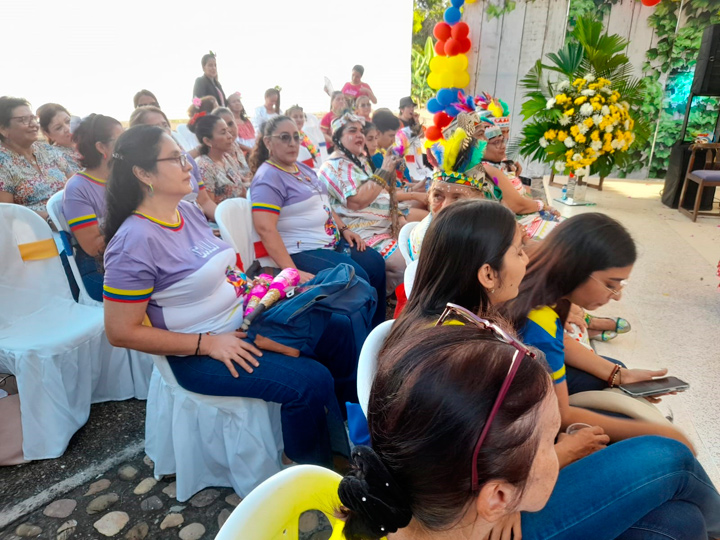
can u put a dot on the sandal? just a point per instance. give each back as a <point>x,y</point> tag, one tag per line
<point>605,335</point>
<point>622,326</point>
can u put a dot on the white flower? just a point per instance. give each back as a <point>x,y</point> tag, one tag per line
<point>569,142</point>
<point>543,142</point>
<point>632,138</point>
<point>586,109</point>
<point>559,166</point>
<point>597,118</point>
<point>564,120</point>
<point>577,157</point>
<point>609,129</point>
<point>582,128</point>
<point>550,103</point>
<point>589,77</point>
<point>583,171</point>
<point>606,90</point>
<point>588,92</point>
<point>596,145</point>
<point>564,85</point>
<point>616,144</point>
<point>627,124</point>
<point>605,110</point>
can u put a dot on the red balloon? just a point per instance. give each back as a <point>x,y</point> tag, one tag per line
<point>442,119</point>
<point>442,31</point>
<point>460,30</point>
<point>650,3</point>
<point>466,45</point>
<point>452,47</point>
<point>433,133</point>
<point>440,48</point>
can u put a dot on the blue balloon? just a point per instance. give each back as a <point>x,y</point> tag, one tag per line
<point>452,15</point>
<point>434,106</point>
<point>446,96</point>
<point>457,3</point>
<point>452,111</point>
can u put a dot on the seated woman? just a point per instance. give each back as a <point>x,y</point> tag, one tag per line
<point>270,108</point>
<point>246,131</point>
<point>152,116</point>
<point>237,151</point>
<point>361,198</point>
<point>462,424</point>
<point>30,171</point>
<point>145,98</point>
<point>292,215</point>
<point>55,124</point>
<point>184,134</point>
<point>585,261</point>
<point>309,153</point>
<point>84,196</point>
<point>162,262</point>
<point>223,175</point>
<point>338,105</point>
<point>363,108</point>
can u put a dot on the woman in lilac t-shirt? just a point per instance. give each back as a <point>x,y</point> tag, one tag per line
<point>162,260</point>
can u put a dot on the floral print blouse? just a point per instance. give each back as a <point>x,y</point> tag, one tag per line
<point>224,180</point>
<point>29,185</point>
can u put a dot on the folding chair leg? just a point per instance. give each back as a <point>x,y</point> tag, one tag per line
<point>698,198</point>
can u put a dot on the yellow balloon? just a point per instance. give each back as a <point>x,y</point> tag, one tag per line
<point>434,81</point>
<point>459,62</point>
<point>446,80</point>
<point>435,63</point>
<point>462,79</point>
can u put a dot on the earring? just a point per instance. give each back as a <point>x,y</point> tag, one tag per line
<point>492,291</point>
<point>152,192</point>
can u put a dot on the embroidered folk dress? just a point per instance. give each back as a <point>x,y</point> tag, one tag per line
<point>29,186</point>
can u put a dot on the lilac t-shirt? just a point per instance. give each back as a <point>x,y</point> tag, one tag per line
<point>84,201</point>
<point>195,180</point>
<point>301,203</point>
<point>187,275</point>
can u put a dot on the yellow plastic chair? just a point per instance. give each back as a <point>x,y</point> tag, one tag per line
<point>272,510</point>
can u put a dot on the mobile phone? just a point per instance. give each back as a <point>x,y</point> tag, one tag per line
<point>655,387</point>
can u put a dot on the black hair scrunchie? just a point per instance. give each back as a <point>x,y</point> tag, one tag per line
<point>370,491</point>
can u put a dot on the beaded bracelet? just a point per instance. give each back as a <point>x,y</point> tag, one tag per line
<point>380,181</point>
<point>613,375</point>
<point>197,349</point>
<point>540,205</point>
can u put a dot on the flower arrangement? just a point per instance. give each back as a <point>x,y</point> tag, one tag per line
<point>582,121</point>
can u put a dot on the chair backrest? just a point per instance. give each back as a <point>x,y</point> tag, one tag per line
<point>404,239</point>
<point>55,211</point>
<point>712,157</point>
<point>31,273</point>
<point>409,279</point>
<point>367,365</point>
<point>272,510</point>
<point>234,219</point>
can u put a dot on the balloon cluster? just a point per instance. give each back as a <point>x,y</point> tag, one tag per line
<point>448,69</point>
<point>650,3</point>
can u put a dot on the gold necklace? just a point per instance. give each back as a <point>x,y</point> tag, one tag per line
<point>295,172</point>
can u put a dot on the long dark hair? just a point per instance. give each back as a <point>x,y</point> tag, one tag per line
<point>461,239</point>
<point>203,127</point>
<point>367,128</point>
<point>93,129</point>
<point>271,91</point>
<point>139,146</point>
<point>577,247</point>
<point>260,153</point>
<point>47,112</point>
<point>428,406</point>
<point>336,139</point>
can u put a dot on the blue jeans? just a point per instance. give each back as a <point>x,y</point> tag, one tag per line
<point>644,487</point>
<point>368,265</point>
<point>90,273</point>
<point>582,381</point>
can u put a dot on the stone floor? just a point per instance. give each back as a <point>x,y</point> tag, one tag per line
<point>103,485</point>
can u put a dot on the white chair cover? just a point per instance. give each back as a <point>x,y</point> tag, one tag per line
<point>234,219</point>
<point>210,440</point>
<point>404,239</point>
<point>315,134</point>
<point>140,364</point>
<point>410,271</point>
<point>367,365</point>
<point>56,348</point>
<point>185,138</point>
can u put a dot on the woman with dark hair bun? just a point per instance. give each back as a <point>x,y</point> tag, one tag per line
<point>462,422</point>
<point>55,124</point>
<point>208,84</point>
<point>84,196</point>
<point>268,110</point>
<point>145,98</point>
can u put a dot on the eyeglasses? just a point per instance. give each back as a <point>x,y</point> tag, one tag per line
<point>26,120</point>
<point>500,141</point>
<point>181,159</point>
<point>286,137</point>
<point>521,352</point>
<point>615,292</point>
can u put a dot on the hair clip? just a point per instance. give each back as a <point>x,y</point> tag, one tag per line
<point>197,102</point>
<point>117,156</point>
<point>196,117</point>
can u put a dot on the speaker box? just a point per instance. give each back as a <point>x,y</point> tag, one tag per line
<point>707,70</point>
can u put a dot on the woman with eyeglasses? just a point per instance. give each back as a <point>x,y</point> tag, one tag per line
<point>163,263</point>
<point>463,420</point>
<point>585,261</point>
<point>30,171</point>
<point>153,116</point>
<point>224,176</point>
<point>55,124</point>
<point>84,203</point>
<point>293,218</point>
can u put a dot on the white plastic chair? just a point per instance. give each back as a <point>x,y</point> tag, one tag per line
<point>404,239</point>
<point>409,277</point>
<point>210,440</point>
<point>367,365</point>
<point>273,509</point>
<point>185,138</point>
<point>55,347</point>
<point>139,365</point>
<point>234,219</point>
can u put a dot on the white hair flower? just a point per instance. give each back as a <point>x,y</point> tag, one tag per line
<point>543,142</point>
<point>550,103</point>
<point>586,109</point>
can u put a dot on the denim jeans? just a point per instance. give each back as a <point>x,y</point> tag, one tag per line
<point>582,381</point>
<point>645,487</point>
<point>368,265</point>
<point>91,276</point>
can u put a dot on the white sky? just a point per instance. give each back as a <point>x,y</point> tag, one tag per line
<point>93,56</point>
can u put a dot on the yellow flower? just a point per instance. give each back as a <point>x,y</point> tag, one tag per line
<point>561,99</point>
<point>579,83</point>
<point>595,135</point>
<point>596,106</point>
<point>569,112</point>
<point>569,153</point>
<point>550,134</point>
<point>574,130</point>
<point>588,122</point>
<point>580,138</point>
<point>607,137</point>
<point>562,135</point>
<point>580,100</point>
